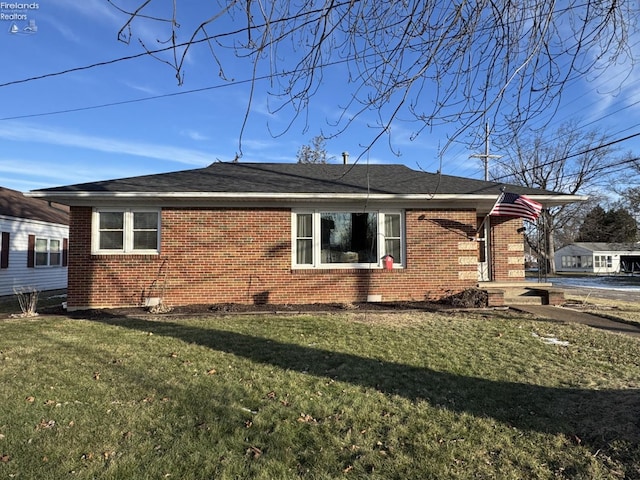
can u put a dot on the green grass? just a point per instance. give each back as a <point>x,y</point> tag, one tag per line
<point>395,396</point>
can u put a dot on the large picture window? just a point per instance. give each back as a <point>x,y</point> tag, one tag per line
<point>126,231</point>
<point>325,239</point>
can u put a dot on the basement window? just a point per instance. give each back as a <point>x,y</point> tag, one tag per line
<point>346,239</point>
<point>125,231</point>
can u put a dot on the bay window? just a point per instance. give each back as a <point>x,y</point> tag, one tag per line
<point>346,239</point>
<point>126,231</point>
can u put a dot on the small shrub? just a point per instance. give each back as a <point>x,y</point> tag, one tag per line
<point>28,300</point>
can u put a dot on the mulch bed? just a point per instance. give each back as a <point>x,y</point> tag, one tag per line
<point>236,308</point>
<point>472,298</point>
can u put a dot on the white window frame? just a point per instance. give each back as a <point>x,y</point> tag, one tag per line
<point>127,231</point>
<point>47,252</point>
<point>317,263</point>
<point>603,261</point>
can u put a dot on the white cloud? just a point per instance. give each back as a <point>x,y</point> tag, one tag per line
<point>25,133</point>
<point>22,174</point>
<point>149,91</point>
<point>93,9</point>
<point>258,144</point>
<point>194,135</point>
<point>66,31</point>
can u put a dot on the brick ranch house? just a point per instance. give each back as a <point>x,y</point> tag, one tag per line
<point>287,234</point>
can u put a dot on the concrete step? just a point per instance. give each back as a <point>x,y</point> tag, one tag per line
<point>523,300</point>
<point>523,296</point>
<point>521,293</point>
<point>522,284</point>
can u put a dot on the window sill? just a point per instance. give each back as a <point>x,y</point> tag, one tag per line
<point>125,256</point>
<point>110,253</point>
<point>342,268</point>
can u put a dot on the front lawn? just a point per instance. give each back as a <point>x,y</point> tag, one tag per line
<point>614,309</point>
<point>387,396</point>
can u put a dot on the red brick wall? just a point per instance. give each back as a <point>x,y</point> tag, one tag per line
<point>244,256</point>
<point>507,246</point>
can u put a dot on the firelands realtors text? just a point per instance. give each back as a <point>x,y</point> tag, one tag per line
<point>15,11</point>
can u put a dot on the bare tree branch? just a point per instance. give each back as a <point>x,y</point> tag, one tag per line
<point>428,61</point>
<point>573,162</point>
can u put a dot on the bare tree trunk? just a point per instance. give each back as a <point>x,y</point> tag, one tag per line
<point>550,244</point>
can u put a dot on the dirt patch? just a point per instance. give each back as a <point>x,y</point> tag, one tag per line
<point>473,298</point>
<point>236,308</point>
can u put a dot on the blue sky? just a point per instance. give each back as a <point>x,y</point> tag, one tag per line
<point>191,130</point>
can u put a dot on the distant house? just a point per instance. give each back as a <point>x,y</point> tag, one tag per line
<point>33,243</point>
<point>287,234</point>
<point>599,258</point>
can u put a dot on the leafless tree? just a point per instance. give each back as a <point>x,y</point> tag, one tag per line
<point>568,161</point>
<point>627,186</point>
<point>314,153</point>
<point>506,62</point>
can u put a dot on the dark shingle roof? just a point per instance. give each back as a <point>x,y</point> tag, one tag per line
<point>291,178</point>
<point>15,204</point>
<point>609,247</point>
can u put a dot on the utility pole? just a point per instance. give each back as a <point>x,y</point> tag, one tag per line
<point>485,156</point>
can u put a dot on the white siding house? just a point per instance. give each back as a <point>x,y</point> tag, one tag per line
<point>598,258</point>
<point>33,243</point>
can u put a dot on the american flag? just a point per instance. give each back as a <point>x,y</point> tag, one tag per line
<point>514,205</point>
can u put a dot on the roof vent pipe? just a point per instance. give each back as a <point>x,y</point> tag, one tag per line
<point>345,157</point>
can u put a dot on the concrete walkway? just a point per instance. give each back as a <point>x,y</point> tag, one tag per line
<point>566,315</point>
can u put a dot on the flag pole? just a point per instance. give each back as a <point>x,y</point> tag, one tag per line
<point>484,220</point>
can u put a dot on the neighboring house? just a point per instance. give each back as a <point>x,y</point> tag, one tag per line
<point>599,258</point>
<point>33,243</point>
<point>287,234</point>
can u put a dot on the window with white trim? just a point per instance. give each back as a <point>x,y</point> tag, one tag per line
<point>48,252</point>
<point>126,231</point>
<point>346,239</point>
<point>577,261</point>
<point>603,261</point>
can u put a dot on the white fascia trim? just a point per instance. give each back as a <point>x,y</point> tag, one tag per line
<point>247,195</point>
<point>8,218</point>
<point>100,197</point>
<point>285,196</point>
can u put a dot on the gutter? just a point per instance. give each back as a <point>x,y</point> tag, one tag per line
<point>88,198</point>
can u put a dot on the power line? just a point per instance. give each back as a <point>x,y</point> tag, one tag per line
<point>626,161</point>
<point>218,36</point>
<point>197,90</point>
<point>150,53</point>
<point>124,102</point>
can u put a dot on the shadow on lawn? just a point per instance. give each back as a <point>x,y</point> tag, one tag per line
<point>597,418</point>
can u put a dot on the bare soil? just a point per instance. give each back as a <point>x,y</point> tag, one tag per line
<point>472,298</point>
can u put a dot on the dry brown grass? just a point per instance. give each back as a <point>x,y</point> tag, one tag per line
<point>628,311</point>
